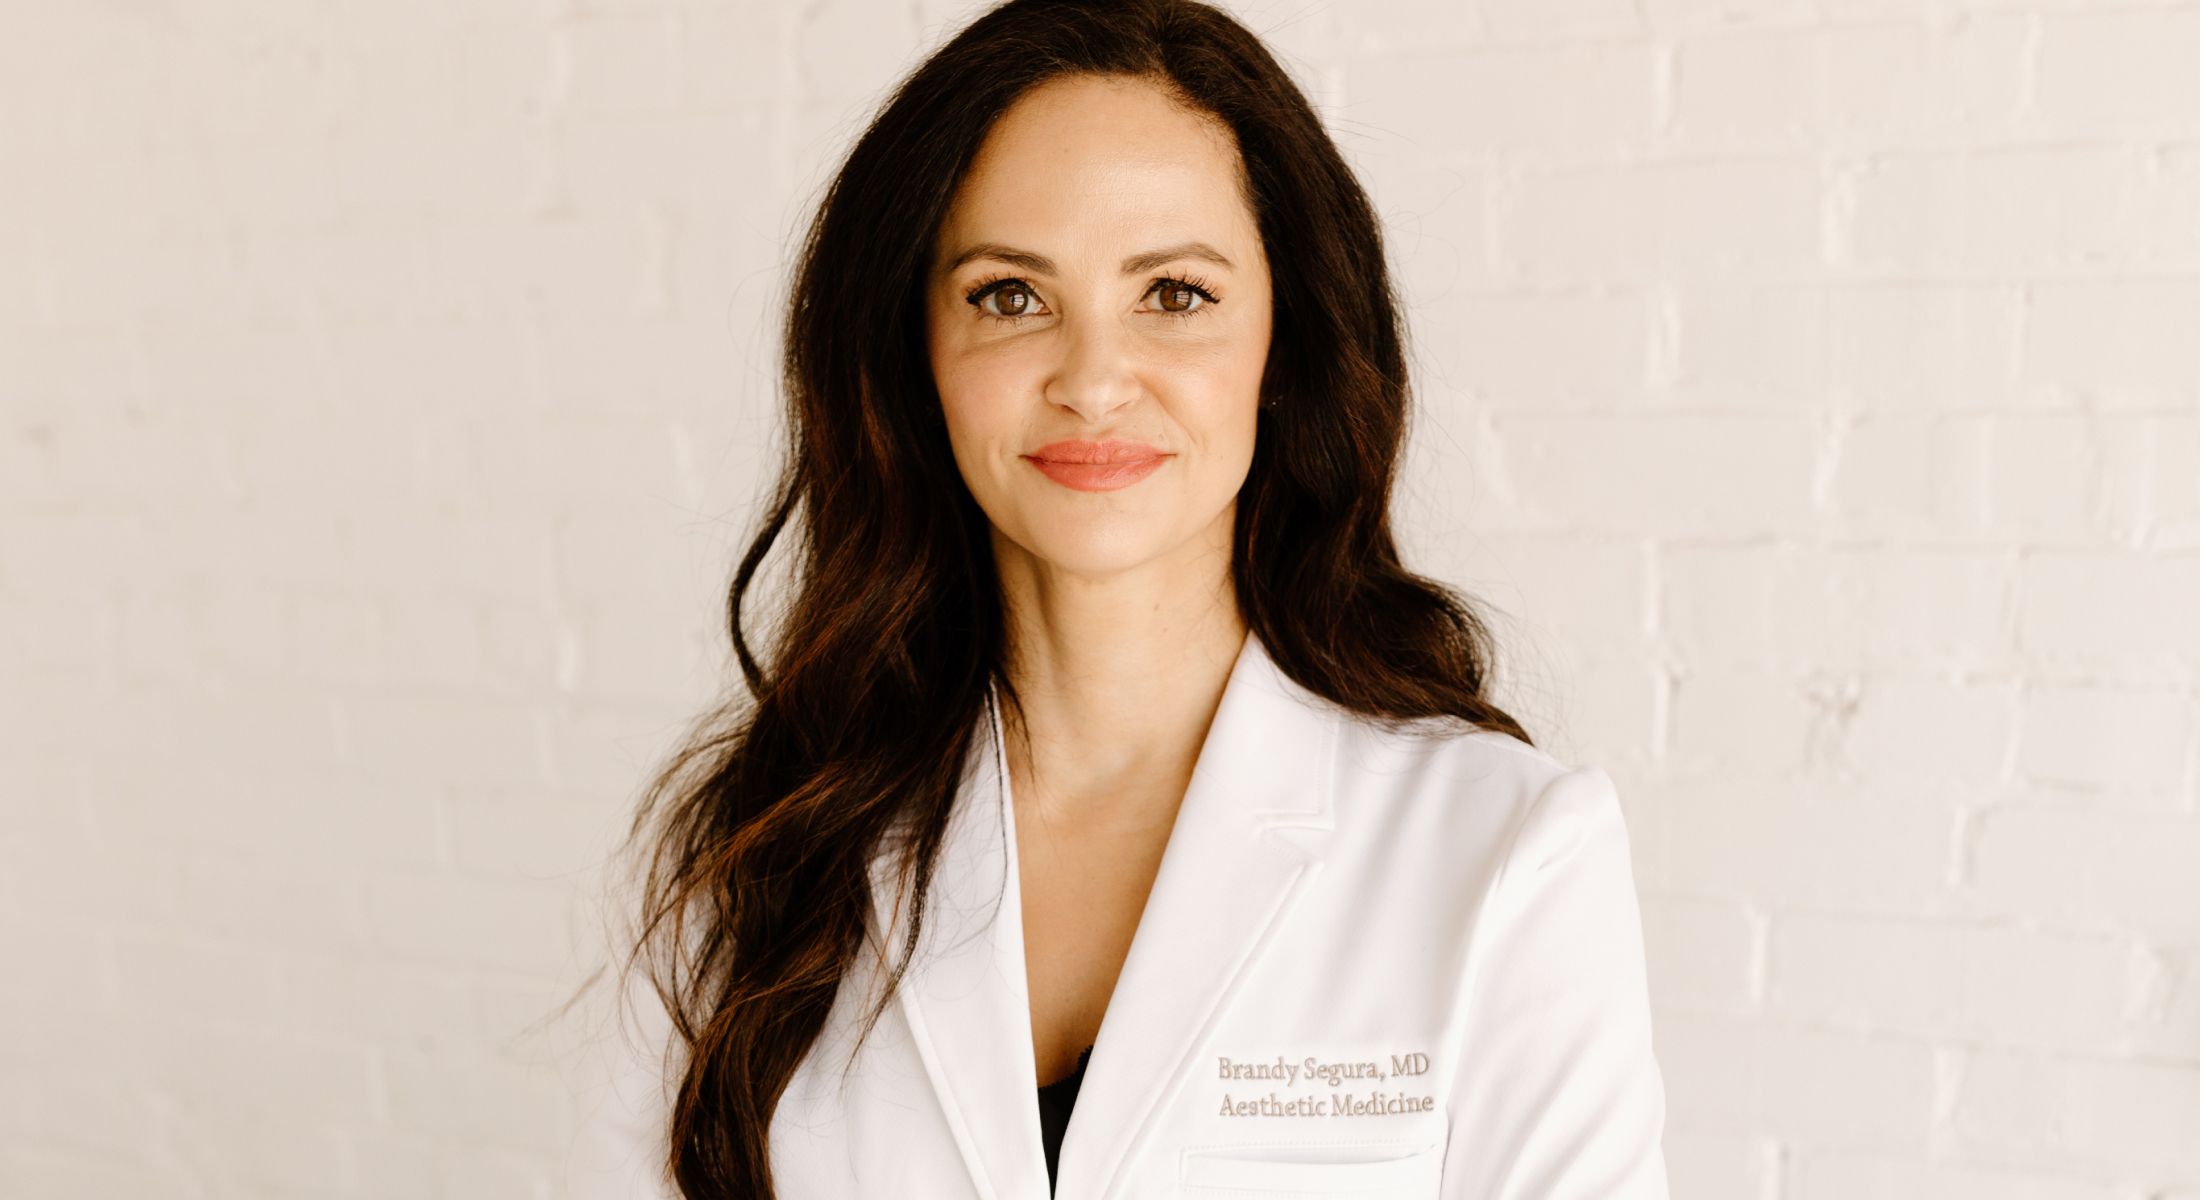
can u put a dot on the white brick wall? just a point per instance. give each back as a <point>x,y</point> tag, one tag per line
<point>1810,385</point>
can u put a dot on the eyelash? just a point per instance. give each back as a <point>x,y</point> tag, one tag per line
<point>1198,286</point>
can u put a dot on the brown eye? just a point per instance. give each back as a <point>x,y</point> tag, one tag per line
<point>1022,300</point>
<point>1182,298</point>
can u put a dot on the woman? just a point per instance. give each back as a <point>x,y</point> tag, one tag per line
<point>1108,756</point>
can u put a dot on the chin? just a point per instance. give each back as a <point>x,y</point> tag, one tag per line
<point>1096,544</point>
<point>1101,556</point>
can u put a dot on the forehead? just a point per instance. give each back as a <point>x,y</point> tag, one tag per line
<point>1090,163</point>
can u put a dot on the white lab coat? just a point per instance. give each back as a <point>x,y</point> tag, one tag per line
<point>1372,964</point>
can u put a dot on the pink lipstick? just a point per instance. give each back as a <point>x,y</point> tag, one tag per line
<point>1096,466</point>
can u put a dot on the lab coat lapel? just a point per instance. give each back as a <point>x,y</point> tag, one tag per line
<point>1222,887</point>
<point>965,995</point>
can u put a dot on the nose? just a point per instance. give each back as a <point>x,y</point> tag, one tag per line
<point>1095,378</point>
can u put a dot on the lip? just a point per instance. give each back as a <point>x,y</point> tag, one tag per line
<point>1077,450</point>
<point>1101,466</point>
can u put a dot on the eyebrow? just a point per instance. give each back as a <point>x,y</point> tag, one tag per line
<point>1042,265</point>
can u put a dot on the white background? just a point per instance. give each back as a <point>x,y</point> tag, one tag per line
<point>1808,388</point>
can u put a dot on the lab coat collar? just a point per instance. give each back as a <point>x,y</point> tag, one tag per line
<point>1223,885</point>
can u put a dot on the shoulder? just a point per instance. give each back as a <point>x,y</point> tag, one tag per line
<point>1419,761</point>
<point>1478,792</point>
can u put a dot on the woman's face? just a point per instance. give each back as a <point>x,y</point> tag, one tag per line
<point>1099,278</point>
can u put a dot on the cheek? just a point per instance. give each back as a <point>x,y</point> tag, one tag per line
<point>974,400</point>
<point>1228,402</point>
<point>983,423</point>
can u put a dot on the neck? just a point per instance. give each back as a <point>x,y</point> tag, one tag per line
<point>1119,677</point>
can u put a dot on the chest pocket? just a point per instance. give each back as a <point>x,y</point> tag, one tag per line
<point>1304,1172</point>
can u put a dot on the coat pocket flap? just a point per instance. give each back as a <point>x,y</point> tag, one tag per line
<point>1323,1170</point>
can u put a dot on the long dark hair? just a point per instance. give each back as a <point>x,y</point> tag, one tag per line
<point>760,831</point>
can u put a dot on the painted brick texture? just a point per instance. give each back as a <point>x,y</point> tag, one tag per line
<point>1810,388</point>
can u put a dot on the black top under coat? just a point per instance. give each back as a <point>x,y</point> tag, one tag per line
<point>1055,1101</point>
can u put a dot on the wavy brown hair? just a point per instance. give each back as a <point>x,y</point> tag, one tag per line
<point>755,840</point>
